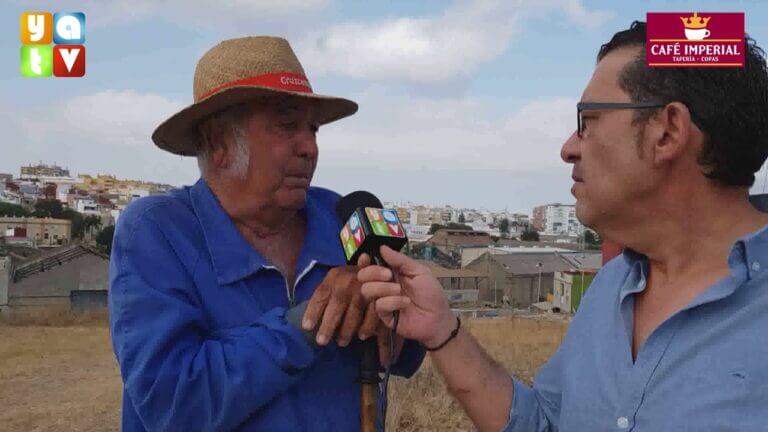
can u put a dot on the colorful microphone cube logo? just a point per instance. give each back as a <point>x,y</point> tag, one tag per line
<point>64,59</point>
<point>352,236</point>
<point>385,222</point>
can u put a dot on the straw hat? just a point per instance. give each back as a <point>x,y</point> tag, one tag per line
<point>236,71</point>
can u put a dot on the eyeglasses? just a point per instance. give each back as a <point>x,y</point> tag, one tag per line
<point>587,106</point>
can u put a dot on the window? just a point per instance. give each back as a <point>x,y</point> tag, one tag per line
<point>45,236</point>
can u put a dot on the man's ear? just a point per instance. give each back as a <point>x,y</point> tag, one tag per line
<point>219,140</point>
<point>670,131</point>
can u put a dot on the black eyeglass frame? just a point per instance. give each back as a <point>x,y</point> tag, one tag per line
<point>590,106</point>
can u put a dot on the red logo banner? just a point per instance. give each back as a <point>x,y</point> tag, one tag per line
<point>695,39</point>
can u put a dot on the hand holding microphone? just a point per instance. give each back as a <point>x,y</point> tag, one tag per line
<point>409,287</point>
<point>425,315</point>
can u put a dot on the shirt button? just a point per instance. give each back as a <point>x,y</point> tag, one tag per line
<point>622,422</point>
<point>755,266</point>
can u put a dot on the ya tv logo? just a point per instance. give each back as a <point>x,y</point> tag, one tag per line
<point>66,30</point>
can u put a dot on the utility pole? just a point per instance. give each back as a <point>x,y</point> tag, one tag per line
<point>538,291</point>
<point>495,294</point>
<point>488,268</point>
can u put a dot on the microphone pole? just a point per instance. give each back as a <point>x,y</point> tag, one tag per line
<point>369,385</point>
<point>369,374</point>
<point>370,366</point>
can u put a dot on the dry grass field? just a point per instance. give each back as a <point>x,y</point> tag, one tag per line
<point>59,374</point>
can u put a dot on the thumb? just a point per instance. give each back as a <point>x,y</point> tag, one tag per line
<point>399,262</point>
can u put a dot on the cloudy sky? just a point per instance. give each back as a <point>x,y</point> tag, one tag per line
<point>461,102</point>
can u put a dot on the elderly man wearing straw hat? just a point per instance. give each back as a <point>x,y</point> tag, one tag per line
<point>208,283</point>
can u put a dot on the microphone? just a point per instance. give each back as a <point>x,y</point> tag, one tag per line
<point>368,226</point>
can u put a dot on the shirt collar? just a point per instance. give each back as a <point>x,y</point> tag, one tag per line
<point>233,258</point>
<point>747,259</point>
<point>751,251</point>
<point>638,264</point>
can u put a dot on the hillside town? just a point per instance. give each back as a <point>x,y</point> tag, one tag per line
<point>56,230</point>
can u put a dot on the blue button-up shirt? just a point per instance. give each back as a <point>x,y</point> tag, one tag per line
<point>703,369</point>
<point>198,326</point>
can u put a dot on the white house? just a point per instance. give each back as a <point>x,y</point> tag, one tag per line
<point>87,206</point>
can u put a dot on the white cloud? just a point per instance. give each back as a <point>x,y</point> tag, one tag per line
<point>107,132</point>
<point>539,129</point>
<point>459,151</point>
<point>223,15</point>
<point>583,17</point>
<point>120,118</point>
<point>404,131</point>
<point>432,49</point>
<point>391,129</point>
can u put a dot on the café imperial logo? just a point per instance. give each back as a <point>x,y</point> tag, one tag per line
<point>695,39</point>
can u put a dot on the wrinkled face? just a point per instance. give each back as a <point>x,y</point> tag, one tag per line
<point>281,135</point>
<point>610,174</point>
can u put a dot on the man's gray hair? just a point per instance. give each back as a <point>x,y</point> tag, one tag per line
<point>234,118</point>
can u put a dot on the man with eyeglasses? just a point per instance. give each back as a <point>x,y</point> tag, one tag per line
<point>673,334</point>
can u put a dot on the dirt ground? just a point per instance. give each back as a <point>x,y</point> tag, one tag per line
<point>58,379</point>
<point>65,378</point>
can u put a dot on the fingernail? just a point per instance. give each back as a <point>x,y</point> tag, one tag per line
<point>322,339</point>
<point>363,336</point>
<point>343,342</point>
<point>307,324</point>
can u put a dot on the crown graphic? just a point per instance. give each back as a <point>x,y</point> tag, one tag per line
<point>695,21</point>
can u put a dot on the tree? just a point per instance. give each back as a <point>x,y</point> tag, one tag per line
<point>104,239</point>
<point>434,227</point>
<point>592,240</point>
<point>91,222</point>
<point>49,191</point>
<point>78,222</point>
<point>48,208</point>
<point>462,219</point>
<point>13,210</point>
<point>529,236</point>
<point>504,228</point>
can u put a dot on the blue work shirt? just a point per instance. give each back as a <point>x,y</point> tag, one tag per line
<point>198,326</point>
<point>703,369</point>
